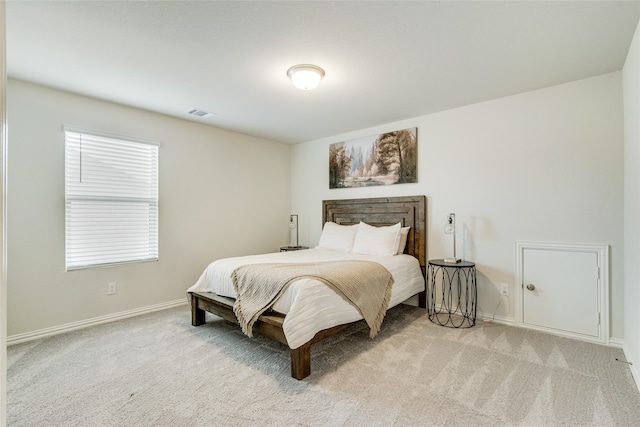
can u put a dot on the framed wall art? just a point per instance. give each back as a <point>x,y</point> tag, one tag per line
<point>385,159</point>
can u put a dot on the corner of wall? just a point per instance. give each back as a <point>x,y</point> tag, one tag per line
<point>631,99</point>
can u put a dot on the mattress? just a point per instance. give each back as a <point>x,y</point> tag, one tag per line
<point>309,305</point>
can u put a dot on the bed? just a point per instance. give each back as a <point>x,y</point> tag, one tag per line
<point>294,319</point>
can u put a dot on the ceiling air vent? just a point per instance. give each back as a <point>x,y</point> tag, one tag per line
<point>199,113</point>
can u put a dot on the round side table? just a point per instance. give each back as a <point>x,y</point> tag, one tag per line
<point>452,293</point>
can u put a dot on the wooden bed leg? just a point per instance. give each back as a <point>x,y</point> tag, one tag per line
<point>301,361</point>
<point>422,299</point>
<point>197,314</point>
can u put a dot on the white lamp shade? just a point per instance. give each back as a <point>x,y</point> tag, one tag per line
<point>305,77</point>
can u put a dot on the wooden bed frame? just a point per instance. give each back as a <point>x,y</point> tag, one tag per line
<point>410,211</point>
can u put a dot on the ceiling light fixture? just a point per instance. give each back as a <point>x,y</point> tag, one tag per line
<point>305,76</point>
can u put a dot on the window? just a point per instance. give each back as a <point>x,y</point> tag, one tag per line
<point>111,199</point>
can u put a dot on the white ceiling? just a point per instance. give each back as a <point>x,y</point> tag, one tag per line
<point>384,61</point>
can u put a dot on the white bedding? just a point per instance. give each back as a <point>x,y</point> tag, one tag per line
<point>310,305</point>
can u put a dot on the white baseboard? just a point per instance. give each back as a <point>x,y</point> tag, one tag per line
<point>635,372</point>
<point>616,342</point>
<point>60,329</point>
<point>490,318</point>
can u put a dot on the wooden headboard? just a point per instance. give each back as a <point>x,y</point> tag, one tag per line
<point>411,211</point>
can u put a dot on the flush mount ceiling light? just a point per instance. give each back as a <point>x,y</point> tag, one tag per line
<point>305,76</point>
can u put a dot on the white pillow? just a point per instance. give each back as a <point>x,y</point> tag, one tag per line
<point>372,240</point>
<point>337,237</point>
<point>402,241</point>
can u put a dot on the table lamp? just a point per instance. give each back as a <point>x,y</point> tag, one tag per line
<point>450,228</point>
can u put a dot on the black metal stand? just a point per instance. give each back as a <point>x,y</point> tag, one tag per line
<point>452,293</point>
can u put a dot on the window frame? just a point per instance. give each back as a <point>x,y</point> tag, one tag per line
<point>111,218</point>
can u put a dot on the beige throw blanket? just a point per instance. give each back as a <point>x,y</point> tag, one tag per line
<point>365,284</point>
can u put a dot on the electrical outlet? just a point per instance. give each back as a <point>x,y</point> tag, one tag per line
<point>504,289</point>
<point>112,288</point>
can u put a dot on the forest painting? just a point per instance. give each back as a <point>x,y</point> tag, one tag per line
<point>388,158</point>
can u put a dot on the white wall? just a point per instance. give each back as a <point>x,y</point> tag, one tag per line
<point>3,278</point>
<point>631,90</point>
<point>221,194</point>
<point>539,166</point>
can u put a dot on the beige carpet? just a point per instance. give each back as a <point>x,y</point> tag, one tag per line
<point>158,370</point>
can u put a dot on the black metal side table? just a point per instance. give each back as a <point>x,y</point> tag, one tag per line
<point>452,293</point>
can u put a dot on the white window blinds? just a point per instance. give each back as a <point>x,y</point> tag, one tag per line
<point>111,197</point>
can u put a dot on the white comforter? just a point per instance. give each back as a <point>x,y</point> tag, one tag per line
<point>310,305</point>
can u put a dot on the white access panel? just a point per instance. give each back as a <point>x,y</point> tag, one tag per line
<point>562,289</point>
